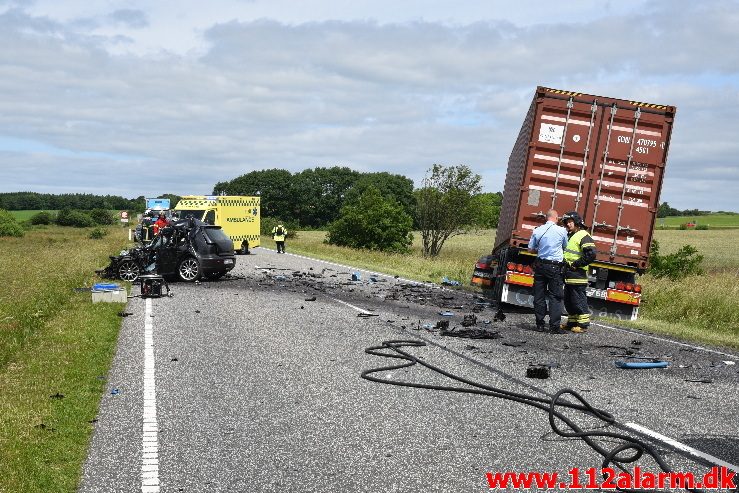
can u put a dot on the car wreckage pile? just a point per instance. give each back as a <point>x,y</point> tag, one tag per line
<point>187,250</point>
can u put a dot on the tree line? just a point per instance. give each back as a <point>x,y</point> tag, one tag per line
<point>24,201</point>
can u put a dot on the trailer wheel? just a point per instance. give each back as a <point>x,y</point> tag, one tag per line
<point>128,271</point>
<point>189,269</point>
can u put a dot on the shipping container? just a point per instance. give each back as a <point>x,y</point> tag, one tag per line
<point>599,156</point>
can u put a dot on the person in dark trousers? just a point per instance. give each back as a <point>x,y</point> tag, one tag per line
<point>578,254</point>
<point>548,242</point>
<point>278,234</point>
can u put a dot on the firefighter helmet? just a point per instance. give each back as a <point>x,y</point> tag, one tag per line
<point>573,216</point>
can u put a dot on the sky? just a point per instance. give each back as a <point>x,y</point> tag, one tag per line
<point>135,97</point>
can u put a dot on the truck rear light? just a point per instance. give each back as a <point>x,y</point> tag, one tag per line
<point>527,269</point>
<point>519,268</point>
<point>629,287</point>
<point>620,285</point>
<point>637,288</point>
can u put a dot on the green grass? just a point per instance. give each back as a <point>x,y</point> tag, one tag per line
<point>712,220</point>
<point>52,341</point>
<point>700,308</point>
<point>26,215</point>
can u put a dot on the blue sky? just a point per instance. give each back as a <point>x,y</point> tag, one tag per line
<point>141,98</point>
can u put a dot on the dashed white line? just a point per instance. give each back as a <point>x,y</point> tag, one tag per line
<point>150,438</point>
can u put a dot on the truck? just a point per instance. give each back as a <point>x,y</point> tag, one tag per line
<point>238,216</point>
<point>601,157</point>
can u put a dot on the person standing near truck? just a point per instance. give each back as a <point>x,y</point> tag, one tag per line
<point>278,234</point>
<point>578,254</point>
<point>548,242</point>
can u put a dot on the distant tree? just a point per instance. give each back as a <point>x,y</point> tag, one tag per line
<point>320,193</point>
<point>445,205</point>
<point>373,222</point>
<point>486,209</point>
<point>272,185</point>
<point>398,187</point>
<point>665,210</point>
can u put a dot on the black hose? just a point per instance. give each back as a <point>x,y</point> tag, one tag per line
<point>628,451</point>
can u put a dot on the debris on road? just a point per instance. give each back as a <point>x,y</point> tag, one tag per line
<point>538,371</point>
<point>641,364</point>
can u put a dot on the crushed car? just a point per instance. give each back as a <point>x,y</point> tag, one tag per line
<point>187,250</point>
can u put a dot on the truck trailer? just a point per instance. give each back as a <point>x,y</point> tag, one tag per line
<point>238,216</point>
<point>601,157</point>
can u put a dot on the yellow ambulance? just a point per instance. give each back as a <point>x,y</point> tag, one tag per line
<point>238,216</point>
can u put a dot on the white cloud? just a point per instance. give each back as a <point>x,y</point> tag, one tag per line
<point>194,97</point>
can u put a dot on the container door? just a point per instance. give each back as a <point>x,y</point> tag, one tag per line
<point>562,139</point>
<point>624,183</point>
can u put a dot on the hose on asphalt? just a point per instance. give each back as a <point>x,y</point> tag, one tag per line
<point>628,450</point>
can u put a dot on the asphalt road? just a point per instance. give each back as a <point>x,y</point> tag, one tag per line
<point>248,385</point>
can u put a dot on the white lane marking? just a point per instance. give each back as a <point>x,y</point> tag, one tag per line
<point>150,439</point>
<point>641,334</point>
<point>361,310</point>
<point>681,446</point>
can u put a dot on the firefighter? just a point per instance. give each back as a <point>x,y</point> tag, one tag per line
<point>278,234</point>
<point>160,223</point>
<point>578,254</point>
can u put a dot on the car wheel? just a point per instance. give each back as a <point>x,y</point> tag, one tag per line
<point>189,269</point>
<point>129,271</point>
<point>244,250</point>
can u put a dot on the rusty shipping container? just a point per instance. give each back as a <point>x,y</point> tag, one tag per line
<point>599,156</point>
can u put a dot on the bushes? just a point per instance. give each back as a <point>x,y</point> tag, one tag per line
<point>9,226</point>
<point>69,217</point>
<point>98,233</point>
<point>374,223</point>
<point>42,217</point>
<point>102,216</point>
<point>675,266</point>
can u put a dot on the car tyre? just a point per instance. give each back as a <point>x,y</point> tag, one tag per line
<point>129,271</point>
<point>188,269</point>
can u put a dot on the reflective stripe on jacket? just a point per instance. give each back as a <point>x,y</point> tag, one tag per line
<point>277,237</point>
<point>573,252</point>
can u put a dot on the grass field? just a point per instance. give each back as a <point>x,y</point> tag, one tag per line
<point>26,215</point>
<point>711,220</point>
<point>700,308</point>
<point>53,342</point>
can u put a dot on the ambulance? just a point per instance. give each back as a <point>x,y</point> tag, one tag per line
<point>238,216</point>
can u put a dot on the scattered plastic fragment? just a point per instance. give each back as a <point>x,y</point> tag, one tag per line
<point>366,315</point>
<point>445,281</point>
<point>312,298</point>
<point>446,314</point>
<point>729,363</point>
<point>641,364</point>
<point>115,392</point>
<point>700,380</point>
<point>356,276</point>
<point>469,320</point>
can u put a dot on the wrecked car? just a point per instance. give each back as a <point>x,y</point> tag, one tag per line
<point>187,250</point>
